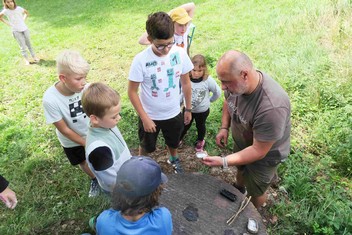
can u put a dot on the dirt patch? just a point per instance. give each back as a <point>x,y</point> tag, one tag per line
<point>191,163</point>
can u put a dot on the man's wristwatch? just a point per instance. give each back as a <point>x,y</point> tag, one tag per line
<point>188,110</point>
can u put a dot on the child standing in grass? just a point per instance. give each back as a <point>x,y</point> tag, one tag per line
<point>135,201</point>
<point>16,16</point>
<point>202,85</point>
<point>106,150</point>
<point>158,70</point>
<point>63,108</point>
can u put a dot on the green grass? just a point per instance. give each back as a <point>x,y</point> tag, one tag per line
<point>304,45</point>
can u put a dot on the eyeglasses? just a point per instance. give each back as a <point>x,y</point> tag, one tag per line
<point>162,47</point>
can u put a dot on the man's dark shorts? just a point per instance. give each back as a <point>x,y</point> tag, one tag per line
<point>171,129</point>
<point>257,176</point>
<point>75,155</point>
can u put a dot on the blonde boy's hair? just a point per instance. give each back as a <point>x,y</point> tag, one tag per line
<point>98,98</point>
<point>71,62</point>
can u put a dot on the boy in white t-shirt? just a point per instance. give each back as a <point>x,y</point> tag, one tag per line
<point>63,108</point>
<point>158,70</point>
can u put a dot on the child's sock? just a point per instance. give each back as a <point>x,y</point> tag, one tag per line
<point>173,158</point>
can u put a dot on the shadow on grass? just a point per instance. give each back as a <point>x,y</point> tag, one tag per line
<point>46,63</point>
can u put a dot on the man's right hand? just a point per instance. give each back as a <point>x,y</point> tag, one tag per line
<point>149,125</point>
<point>222,137</point>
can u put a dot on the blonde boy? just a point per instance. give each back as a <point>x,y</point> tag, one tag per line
<point>63,108</point>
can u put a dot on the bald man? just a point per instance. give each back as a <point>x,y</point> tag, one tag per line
<point>257,109</point>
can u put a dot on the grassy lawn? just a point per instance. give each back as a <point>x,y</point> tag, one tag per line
<point>304,45</point>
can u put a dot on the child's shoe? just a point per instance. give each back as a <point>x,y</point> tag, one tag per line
<point>94,188</point>
<point>92,223</point>
<point>200,145</point>
<point>176,164</point>
<point>36,59</point>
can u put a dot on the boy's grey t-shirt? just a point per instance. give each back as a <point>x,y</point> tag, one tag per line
<point>69,108</point>
<point>263,115</point>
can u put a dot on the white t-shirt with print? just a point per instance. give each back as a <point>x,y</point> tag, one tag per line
<point>159,79</point>
<point>69,108</point>
<point>15,18</point>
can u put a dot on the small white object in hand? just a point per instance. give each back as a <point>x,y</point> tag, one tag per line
<point>201,154</point>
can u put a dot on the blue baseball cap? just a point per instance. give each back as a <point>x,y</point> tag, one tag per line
<point>138,177</point>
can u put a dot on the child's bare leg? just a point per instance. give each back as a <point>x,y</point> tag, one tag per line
<point>84,166</point>
<point>172,151</point>
<point>142,152</point>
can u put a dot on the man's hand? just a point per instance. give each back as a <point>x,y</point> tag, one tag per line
<point>222,137</point>
<point>212,161</point>
<point>149,125</point>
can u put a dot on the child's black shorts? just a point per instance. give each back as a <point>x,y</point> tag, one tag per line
<point>171,129</point>
<point>75,155</point>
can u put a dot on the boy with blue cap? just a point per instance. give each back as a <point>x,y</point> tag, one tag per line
<point>135,201</point>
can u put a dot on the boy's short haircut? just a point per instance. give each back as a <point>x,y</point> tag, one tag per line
<point>160,26</point>
<point>71,62</point>
<point>98,98</point>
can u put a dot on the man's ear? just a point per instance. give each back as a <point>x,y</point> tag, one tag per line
<point>244,74</point>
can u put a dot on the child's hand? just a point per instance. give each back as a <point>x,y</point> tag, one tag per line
<point>187,117</point>
<point>149,125</point>
<point>9,198</point>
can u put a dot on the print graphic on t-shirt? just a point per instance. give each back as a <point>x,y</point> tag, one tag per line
<point>175,59</point>
<point>180,44</point>
<point>170,75</point>
<point>154,86</point>
<point>198,96</point>
<point>151,64</point>
<point>76,110</point>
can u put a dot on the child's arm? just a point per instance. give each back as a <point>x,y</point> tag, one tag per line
<point>3,20</point>
<point>143,40</point>
<point>148,124</point>
<point>25,14</point>
<point>214,88</point>
<point>189,7</point>
<point>187,92</point>
<point>69,133</point>
<point>101,159</point>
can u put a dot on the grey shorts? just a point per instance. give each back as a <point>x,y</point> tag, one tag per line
<point>257,176</point>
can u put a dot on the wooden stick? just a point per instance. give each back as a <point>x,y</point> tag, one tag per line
<point>244,204</point>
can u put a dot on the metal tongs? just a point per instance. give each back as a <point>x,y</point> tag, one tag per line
<point>244,204</point>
